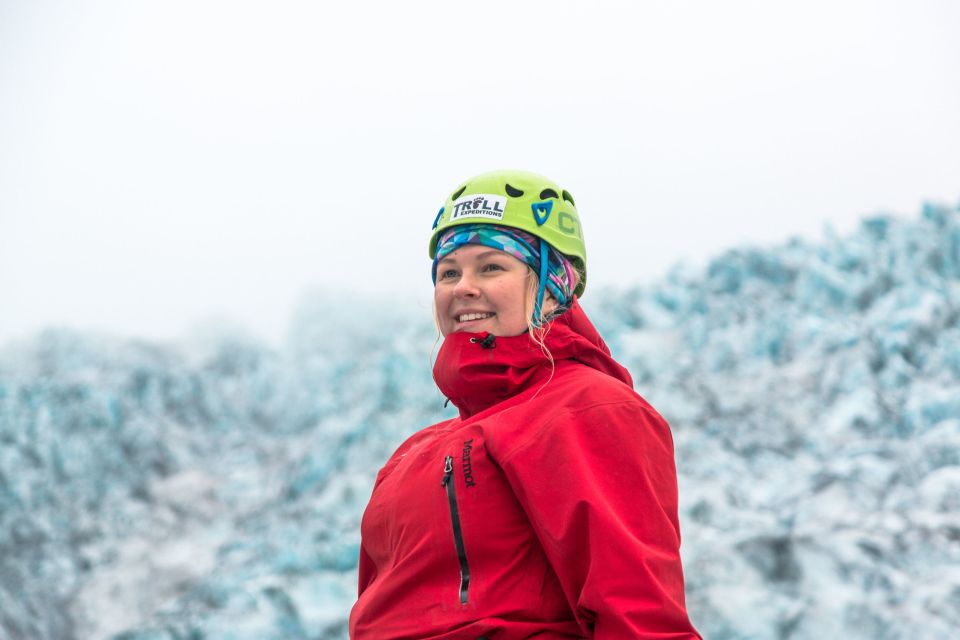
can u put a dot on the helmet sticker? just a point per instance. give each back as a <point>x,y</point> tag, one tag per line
<point>479,205</point>
<point>541,211</point>
<point>436,220</point>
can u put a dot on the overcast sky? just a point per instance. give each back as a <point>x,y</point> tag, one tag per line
<point>164,164</point>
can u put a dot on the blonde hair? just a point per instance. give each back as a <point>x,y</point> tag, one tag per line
<point>539,333</point>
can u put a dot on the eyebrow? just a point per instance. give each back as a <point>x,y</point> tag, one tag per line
<point>479,256</point>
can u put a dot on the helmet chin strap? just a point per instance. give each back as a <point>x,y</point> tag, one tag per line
<point>544,269</point>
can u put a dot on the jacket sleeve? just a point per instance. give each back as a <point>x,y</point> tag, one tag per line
<point>600,488</point>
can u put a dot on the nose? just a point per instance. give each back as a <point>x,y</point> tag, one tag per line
<point>466,286</point>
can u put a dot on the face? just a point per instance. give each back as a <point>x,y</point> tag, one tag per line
<point>482,289</point>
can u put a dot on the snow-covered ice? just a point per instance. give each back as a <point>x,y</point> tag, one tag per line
<point>154,492</point>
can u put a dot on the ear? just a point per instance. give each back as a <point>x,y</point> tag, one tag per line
<point>549,303</point>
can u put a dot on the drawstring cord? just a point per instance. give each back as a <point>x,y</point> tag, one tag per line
<point>488,342</point>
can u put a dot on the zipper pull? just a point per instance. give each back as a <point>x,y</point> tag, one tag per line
<point>447,470</point>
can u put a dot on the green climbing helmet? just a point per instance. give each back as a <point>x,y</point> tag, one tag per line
<point>522,200</point>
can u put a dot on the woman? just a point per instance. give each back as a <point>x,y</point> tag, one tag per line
<point>548,508</point>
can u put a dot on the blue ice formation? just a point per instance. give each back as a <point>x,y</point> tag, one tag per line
<point>152,493</point>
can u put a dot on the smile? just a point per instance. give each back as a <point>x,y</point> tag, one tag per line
<point>467,317</point>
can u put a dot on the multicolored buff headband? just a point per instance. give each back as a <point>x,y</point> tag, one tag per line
<point>561,277</point>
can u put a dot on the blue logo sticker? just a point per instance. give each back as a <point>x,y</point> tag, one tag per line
<point>541,211</point>
<point>436,220</point>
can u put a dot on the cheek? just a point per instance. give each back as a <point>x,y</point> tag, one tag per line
<point>511,305</point>
<point>441,303</point>
<point>441,297</point>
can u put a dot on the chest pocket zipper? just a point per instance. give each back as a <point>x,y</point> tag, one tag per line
<point>449,484</point>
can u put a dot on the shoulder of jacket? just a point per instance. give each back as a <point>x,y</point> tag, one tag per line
<point>425,434</point>
<point>614,416</point>
<point>579,383</point>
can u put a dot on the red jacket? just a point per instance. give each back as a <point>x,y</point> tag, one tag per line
<point>547,509</point>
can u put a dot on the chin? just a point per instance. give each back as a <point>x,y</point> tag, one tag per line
<point>478,329</point>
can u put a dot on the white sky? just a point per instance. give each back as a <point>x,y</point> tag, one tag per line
<point>164,164</point>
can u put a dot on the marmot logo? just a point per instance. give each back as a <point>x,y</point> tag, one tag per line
<point>467,467</point>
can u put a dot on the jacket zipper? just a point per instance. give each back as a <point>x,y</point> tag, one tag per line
<point>449,484</point>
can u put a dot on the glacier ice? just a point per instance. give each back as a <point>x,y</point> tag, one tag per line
<point>151,492</point>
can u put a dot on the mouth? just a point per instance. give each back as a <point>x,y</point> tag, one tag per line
<point>466,318</point>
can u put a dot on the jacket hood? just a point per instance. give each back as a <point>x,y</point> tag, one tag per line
<point>478,370</point>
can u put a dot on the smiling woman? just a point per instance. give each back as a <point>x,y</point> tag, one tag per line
<point>548,507</point>
<point>481,289</point>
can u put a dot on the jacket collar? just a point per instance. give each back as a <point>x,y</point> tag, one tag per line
<point>478,370</point>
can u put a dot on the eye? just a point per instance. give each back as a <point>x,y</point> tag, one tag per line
<point>492,266</point>
<point>548,193</point>
<point>446,274</point>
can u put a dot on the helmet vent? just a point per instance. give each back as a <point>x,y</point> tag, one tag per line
<point>512,191</point>
<point>569,198</point>
<point>458,192</point>
<point>548,193</point>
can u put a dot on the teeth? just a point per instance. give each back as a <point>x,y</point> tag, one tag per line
<point>473,316</point>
